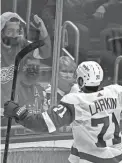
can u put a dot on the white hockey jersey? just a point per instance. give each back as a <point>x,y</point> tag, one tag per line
<point>95,120</point>
<point>96,126</point>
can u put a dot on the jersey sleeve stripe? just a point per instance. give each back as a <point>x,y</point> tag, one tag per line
<point>95,159</point>
<point>50,125</point>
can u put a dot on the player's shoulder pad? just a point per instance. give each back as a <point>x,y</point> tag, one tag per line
<point>75,88</point>
<point>115,87</point>
<point>71,98</point>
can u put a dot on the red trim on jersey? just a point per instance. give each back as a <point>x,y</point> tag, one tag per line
<point>95,159</point>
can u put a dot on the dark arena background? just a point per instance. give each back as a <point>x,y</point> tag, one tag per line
<point>100,39</point>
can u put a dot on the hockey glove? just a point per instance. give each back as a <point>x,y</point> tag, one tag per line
<point>12,109</point>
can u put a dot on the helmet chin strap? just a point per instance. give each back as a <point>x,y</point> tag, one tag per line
<point>85,90</point>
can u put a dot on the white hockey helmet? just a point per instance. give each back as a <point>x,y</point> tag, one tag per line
<point>90,72</point>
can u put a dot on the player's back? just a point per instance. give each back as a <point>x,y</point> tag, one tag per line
<point>96,128</point>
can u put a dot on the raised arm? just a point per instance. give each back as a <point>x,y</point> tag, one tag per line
<point>45,51</point>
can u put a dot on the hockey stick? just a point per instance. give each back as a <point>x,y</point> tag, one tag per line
<point>18,58</point>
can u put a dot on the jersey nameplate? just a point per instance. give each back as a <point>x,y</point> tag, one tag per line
<point>103,104</point>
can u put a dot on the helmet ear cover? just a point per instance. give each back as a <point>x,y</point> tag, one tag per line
<point>80,81</point>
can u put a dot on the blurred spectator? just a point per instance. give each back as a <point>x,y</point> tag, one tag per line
<point>72,13</point>
<point>12,41</point>
<point>101,10</point>
<point>109,41</point>
<point>29,88</point>
<point>66,78</point>
<point>89,14</point>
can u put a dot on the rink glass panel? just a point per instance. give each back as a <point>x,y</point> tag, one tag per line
<point>96,43</point>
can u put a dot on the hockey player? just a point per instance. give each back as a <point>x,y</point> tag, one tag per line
<point>94,115</point>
